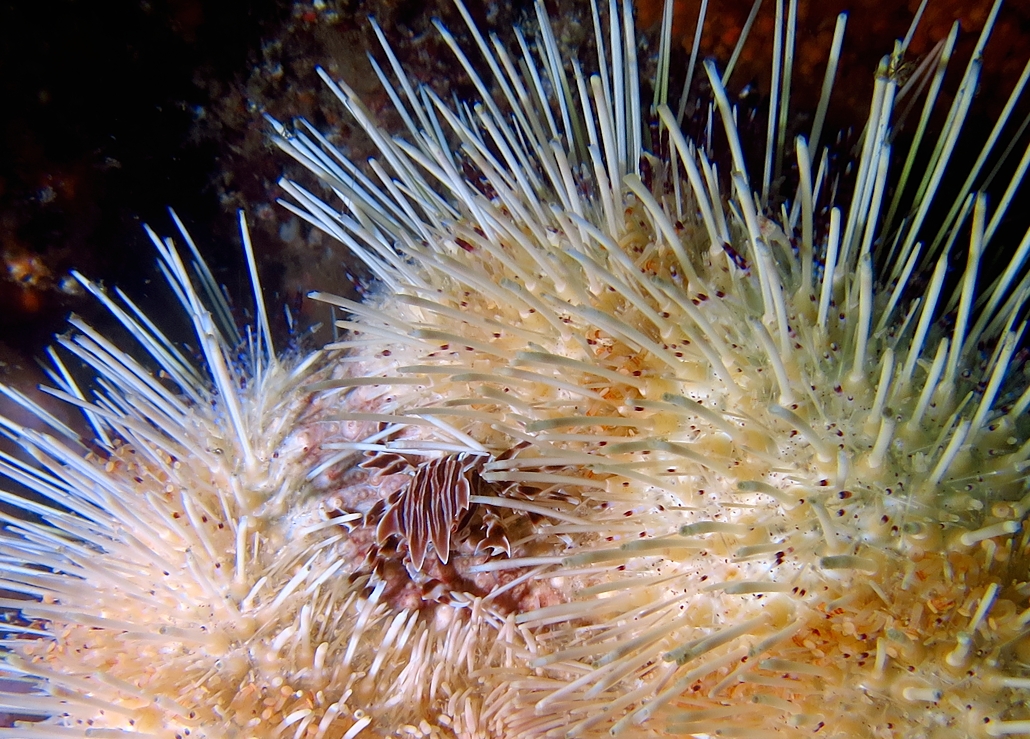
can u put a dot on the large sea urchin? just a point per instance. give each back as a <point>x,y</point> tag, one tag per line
<point>615,444</point>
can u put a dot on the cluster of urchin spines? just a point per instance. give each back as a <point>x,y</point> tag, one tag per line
<point>145,544</point>
<point>670,426</point>
<point>878,469</point>
<point>187,570</point>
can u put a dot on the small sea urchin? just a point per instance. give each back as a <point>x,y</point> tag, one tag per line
<point>618,443</point>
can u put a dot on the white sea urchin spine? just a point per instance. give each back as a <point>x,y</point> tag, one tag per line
<point>614,447</point>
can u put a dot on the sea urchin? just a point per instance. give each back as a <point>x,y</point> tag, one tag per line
<point>618,442</point>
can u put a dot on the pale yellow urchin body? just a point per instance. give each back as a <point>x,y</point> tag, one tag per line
<point>613,447</point>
